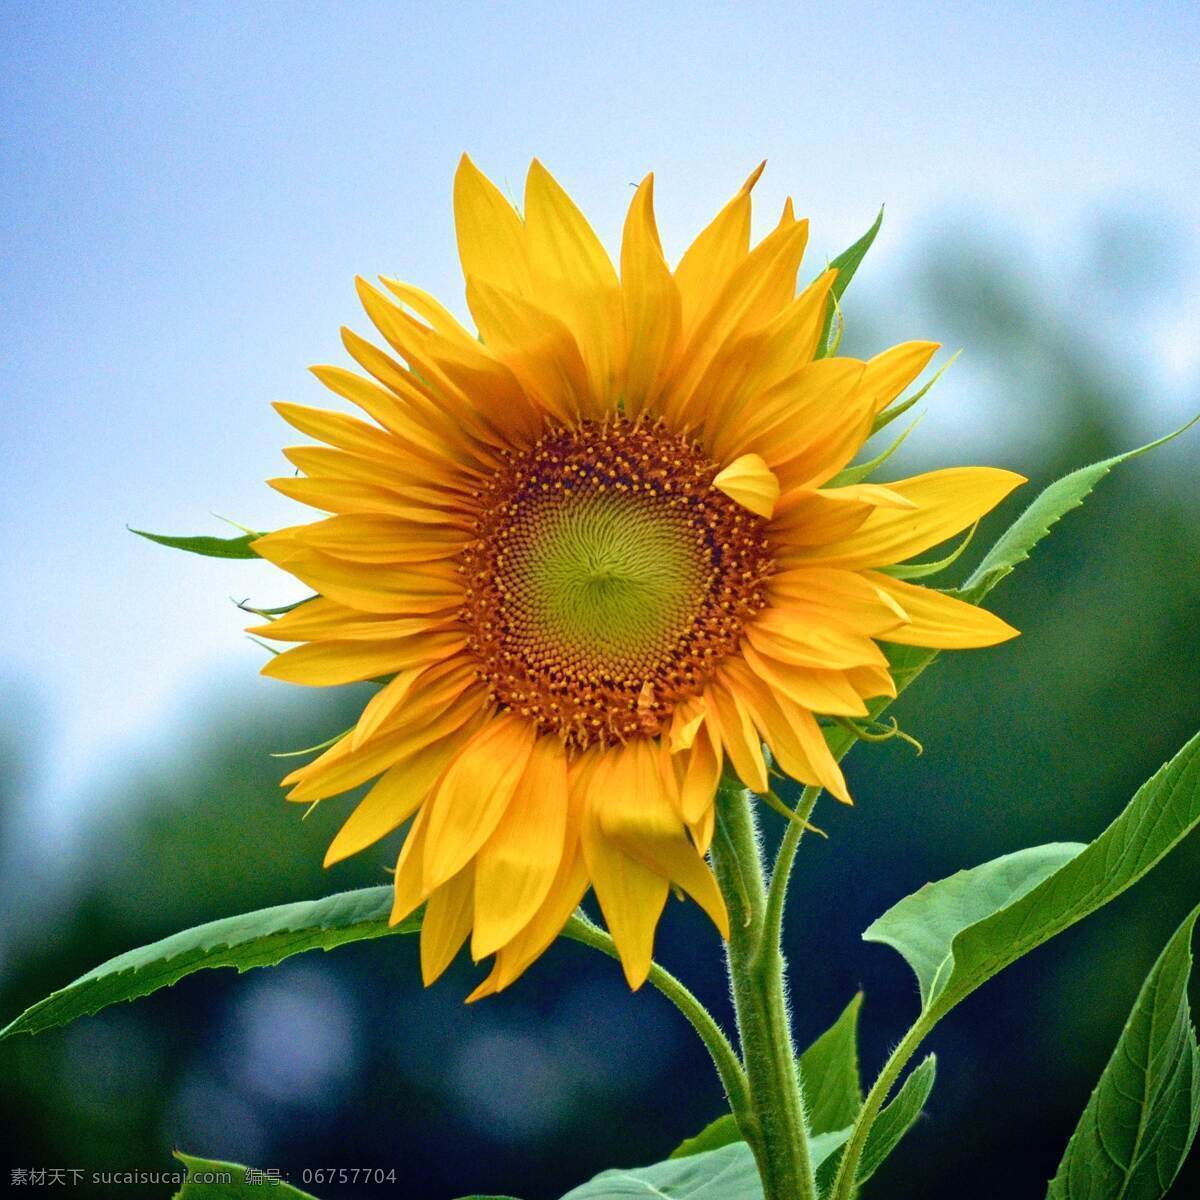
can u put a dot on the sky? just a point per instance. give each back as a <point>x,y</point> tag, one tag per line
<point>188,189</point>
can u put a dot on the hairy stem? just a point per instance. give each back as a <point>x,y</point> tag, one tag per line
<point>776,1131</point>
<point>844,1186</point>
<point>782,868</point>
<point>729,1068</point>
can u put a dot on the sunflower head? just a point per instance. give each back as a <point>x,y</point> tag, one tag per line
<point>599,552</point>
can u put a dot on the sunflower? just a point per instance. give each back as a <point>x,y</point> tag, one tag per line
<point>598,555</point>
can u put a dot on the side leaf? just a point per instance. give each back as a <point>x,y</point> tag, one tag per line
<point>922,927</point>
<point>723,1131</point>
<point>830,1078</point>
<point>1016,543</point>
<point>959,932</point>
<point>847,263</point>
<point>897,1118</point>
<point>890,1126</point>
<point>257,939</point>
<point>727,1173</point>
<point>1139,1124</point>
<point>210,547</point>
<point>209,1179</point>
<point>829,1073</point>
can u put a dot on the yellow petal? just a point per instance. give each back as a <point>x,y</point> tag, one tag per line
<point>940,621</point>
<point>491,236</point>
<point>653,320</point>
<point>631,896</point>
<point>331,664</point>
<point>400,791</point>
<point>536,346</point>
<point>408,889</point>
<point>750,482</point>
<point>518,863</point>
<point>792,733</point>
<point>729,726</point>
<point>947,502</point>
<point>637,815</point>
<point>711,258</point>
<point>817,689</point>
<point>343,767</point>
<point>569,266</point>
<point>889,373</point>
<point>446,923</point>
<point>474,794</point>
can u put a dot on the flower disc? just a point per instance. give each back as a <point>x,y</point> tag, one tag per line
<point>608,578</point>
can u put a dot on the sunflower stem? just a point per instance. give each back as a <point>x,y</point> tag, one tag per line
<point>733,1078</point>
<point>777,1130</point>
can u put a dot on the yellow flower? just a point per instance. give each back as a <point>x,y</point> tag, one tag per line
<point>593,554</point>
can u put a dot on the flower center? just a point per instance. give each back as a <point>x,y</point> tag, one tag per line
<point>608,578</point>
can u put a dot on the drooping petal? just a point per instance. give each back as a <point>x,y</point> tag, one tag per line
<point>631,896</point>
<point>518,863</point>
<point>447,923</point>
<point>396,795</point>
<point>637,815</point>
<point>474,794</point>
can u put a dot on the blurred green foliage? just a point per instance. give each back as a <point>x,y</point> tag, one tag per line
<point>343,1060</point>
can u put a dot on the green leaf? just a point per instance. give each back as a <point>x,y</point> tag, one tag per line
<point>211,547</point>
<point>961,931</point>
<point>232,1184</point>
<point>829,1073</point>
<point>1139,1124</point>
<point>864,470</point>
<point>723,1131</point>
<point>922,927</point>
<point>257,939</point>
<point>890,1126</point>
<point>847,264</point>
<point>832,1088</point>
<point>897,1118</point>
<point>1016,543</point>
<point>726,1173</point>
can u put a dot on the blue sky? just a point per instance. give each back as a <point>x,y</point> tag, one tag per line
<point>186,191</point>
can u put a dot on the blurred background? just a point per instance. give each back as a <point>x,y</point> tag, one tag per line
<point>186,190</point>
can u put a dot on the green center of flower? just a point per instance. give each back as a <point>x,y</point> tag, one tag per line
<point>607,579</point>
<point>610,583</point>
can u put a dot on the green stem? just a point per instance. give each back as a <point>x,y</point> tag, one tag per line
<point>776,1131</point>
<point>729,1068</point>
<point>845,1184</point>
<point>782,868</point>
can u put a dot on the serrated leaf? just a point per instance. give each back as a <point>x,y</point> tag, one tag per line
<point>829,1073</point>
<point>210,547</point>
<point>1139,1124</point>
<point>890,1126</point>
<point>1018,541</point>
<point>257,939</point>
<point>234,1185</point>
<point>847,263</point>
<point>961,931</point>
